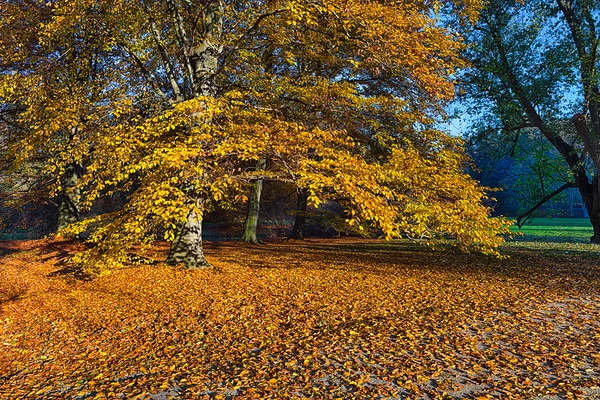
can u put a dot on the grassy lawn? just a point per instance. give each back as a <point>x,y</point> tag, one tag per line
<point>18,234</point>
<point>574,230</point>
<point>348,319</point>
<point>550,236</point>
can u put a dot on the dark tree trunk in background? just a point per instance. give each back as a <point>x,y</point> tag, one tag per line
<point>68,208</point>
<point>251,223</point>
<point>301,204</point>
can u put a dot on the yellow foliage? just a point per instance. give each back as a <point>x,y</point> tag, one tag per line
<point>339,96</point>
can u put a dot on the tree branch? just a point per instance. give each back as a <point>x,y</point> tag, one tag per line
<point>240,38</point>
<point>185,43</point>
<point>164,55</point>
<point>523,217</point>
<point>147,74</point>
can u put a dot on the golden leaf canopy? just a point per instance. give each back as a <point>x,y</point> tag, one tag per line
<point>163,101</point>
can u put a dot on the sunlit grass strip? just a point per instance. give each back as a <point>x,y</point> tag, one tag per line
<point>576,230</point>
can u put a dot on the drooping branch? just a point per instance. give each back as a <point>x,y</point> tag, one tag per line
<point>523,217</point>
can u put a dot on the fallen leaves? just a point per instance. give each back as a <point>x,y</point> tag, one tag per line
<point>325,319</point>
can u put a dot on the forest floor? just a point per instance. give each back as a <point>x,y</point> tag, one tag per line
<point>345,318</point>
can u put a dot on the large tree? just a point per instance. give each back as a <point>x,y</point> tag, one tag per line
<point>339,98</point>
<point>536,67</point>
<point>53,86</point>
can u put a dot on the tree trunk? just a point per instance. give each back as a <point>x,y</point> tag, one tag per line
<point>594,210</point>
<point>68,209</point>
<point>202,63</point>
<point>591,200</point>
<point>590,191</point>
<point>301,203</point>
<point>187,248</point>
<point>595,220</point>
<point>251,222</point>
<point>590,194</point>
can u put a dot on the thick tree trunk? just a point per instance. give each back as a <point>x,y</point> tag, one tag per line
<point>590,193</point>
<point>251,222</point>
<point>590,135</point>
<point>594,211</point>
<point>591,200</point>
<point>301,204</point>
<point>595,220</point>
<point>187,248</point>
<point>68,208</point>
<point>202,63</point>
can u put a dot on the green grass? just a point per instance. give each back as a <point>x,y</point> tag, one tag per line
<point>18,234</point>
<point>551,235</point>
<point>571,230</point>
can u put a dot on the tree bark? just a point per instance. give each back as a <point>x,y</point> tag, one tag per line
<point>589,191</point>
<point>301,204</point>
<point>594,211</point>
<point>251,222</point>
<point>187,248</point>
<point>203,53</point>
<point>68,208</point>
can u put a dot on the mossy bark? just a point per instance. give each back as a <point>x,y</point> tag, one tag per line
<point>187,248</point>
<point>202,61</point>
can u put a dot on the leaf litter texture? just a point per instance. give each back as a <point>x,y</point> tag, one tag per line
<point>351,319</point>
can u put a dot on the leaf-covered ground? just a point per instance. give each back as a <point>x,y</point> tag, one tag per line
<point>323,319</point>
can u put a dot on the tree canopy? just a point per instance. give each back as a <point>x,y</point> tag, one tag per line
<point>166,104</point>
<point>535,70</point>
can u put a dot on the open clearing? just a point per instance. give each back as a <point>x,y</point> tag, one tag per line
<point>344,319</point>
<point>570,230</point>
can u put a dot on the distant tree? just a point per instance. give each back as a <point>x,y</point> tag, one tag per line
<point>252,216</point>
<point>535,66</point>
